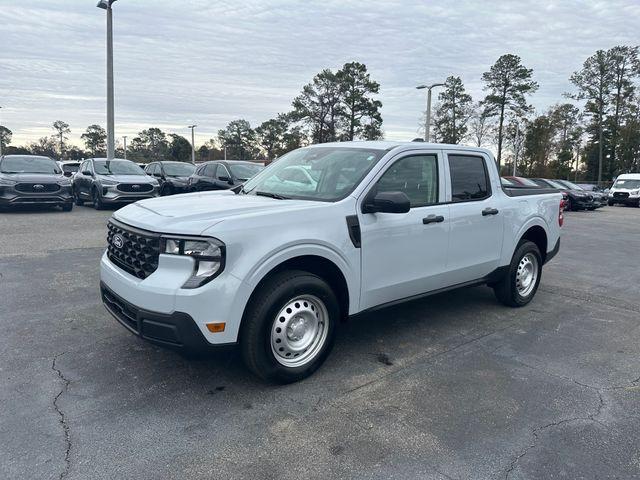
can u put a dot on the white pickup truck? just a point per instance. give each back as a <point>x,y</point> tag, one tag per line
<point>325,232</point>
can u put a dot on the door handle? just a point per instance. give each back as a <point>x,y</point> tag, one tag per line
<point>489,211</point>
<point>432,219</point>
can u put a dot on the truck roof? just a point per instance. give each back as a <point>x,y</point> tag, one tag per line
<point>629,176</point>
<point>390,145</point>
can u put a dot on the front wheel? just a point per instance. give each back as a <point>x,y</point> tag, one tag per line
<point>289,327</point>
<point>610,203</point>
<point>76,198</point>
<point>166,190</point>
<point>520,284</point>
<point>97,199</point>
<point>67,207</point>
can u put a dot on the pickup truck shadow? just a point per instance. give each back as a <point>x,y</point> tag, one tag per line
<point>381,338</point>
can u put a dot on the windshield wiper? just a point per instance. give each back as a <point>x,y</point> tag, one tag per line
<point>272,195</point>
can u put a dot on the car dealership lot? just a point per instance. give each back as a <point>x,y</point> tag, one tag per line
<point>453,386</point>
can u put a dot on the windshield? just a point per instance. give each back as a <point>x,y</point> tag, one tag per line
<point>244,171</point>
<point>321,173</point>
<point>526,182</point>
<point>70,167</point>
<point>555,184</point>
<point>627,184</point>
<point>116,167</point>
<point>178,169</point>
<point>25,164</point>
<point>572,186</point>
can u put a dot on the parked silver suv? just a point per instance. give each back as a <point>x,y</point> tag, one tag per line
<point>104,182</point>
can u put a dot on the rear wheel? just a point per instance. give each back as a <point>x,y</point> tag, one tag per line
<point>520,284</point>
<point>610,203</point>
<point>289,327</point>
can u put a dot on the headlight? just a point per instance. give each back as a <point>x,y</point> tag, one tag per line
<point>154,183</point>
<point>6,181</point>
<point>107,182</point>
<point>209,256</point>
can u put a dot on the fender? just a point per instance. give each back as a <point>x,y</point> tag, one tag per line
<point>319,249</point>
<point>535,221</point>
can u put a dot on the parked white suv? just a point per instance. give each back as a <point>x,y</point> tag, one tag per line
<point>625,190</point>
<point>276,264</point>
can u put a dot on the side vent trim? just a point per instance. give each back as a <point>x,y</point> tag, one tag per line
<point>353,225</point>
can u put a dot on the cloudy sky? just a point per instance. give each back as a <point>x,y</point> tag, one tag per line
<point>210,62</point>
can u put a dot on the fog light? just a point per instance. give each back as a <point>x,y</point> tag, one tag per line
<point>216,327</point>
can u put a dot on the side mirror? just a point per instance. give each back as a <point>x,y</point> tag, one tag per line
<point>68,174</point>
<point>224,178</point>
<point>387,202</point>
<point>87,172</point>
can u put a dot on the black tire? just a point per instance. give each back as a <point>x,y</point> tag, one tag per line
<point>610,203</point>
<point>67,207</point>
<point>506,290</point>
<point>76,198</point>
<point>166,190</point>
<point>261,316</point>
<point>97,200</point>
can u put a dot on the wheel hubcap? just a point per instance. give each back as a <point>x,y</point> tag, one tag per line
<point>527,274</point>
<point>299,331</point>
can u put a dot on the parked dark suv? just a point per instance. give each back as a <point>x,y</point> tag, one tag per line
<point>33,180</point>
<point>173,177</point>
<point>104,182</point>
<point>576,199</point>
<point>222,174</point>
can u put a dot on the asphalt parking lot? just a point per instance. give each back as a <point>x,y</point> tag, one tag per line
<point>455,386</point>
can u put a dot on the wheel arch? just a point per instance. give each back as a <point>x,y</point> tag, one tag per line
<point>332,270</point>
<point>537,234</point>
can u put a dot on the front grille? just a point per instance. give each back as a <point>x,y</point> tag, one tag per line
<point>37,187</point>
<point>621,195</point>
<point>136,251</point>
<point>135,187</point>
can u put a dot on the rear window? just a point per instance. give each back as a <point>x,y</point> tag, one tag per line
<point>469,179</point>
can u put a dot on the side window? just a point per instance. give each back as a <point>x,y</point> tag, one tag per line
<point>416,176</point>
<point>222,172</point>
<point>210,170</point>
<point>469,179</point>
<point>151,169</point>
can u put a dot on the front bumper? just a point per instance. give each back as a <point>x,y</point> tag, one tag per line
<point>110,194</point>
<point>629,200</point>
<point>159,298</point>
<point>9,197</point>
<point>176,330</point>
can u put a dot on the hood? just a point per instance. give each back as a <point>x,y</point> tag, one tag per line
<point>193,213</point>
<point>127,178</point>
<point>33,177</point>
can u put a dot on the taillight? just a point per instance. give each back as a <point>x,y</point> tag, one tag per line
<point>561,213</point>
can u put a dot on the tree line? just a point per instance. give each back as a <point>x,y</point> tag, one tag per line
<point>600,134</point>
<point>603,137</point>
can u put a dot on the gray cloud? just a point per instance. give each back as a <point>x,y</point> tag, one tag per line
<point>207,62</point>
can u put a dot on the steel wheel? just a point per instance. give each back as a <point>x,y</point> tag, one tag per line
<point>527,274</point>
<point>299,331</point>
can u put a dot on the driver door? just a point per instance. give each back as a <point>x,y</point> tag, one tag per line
<point>404,254</point>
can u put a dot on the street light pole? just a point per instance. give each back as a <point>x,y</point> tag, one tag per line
<point>427,126</point>
<point>106,5</point>
<point>124,137</point>
<point>193,144</point>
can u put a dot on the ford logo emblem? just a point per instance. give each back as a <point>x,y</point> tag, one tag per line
<point>38,187</point>
<point>117,241</point>
<point>135,187</point>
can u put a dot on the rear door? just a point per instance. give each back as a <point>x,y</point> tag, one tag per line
<point>404,254</point>
<point>477,223</point>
